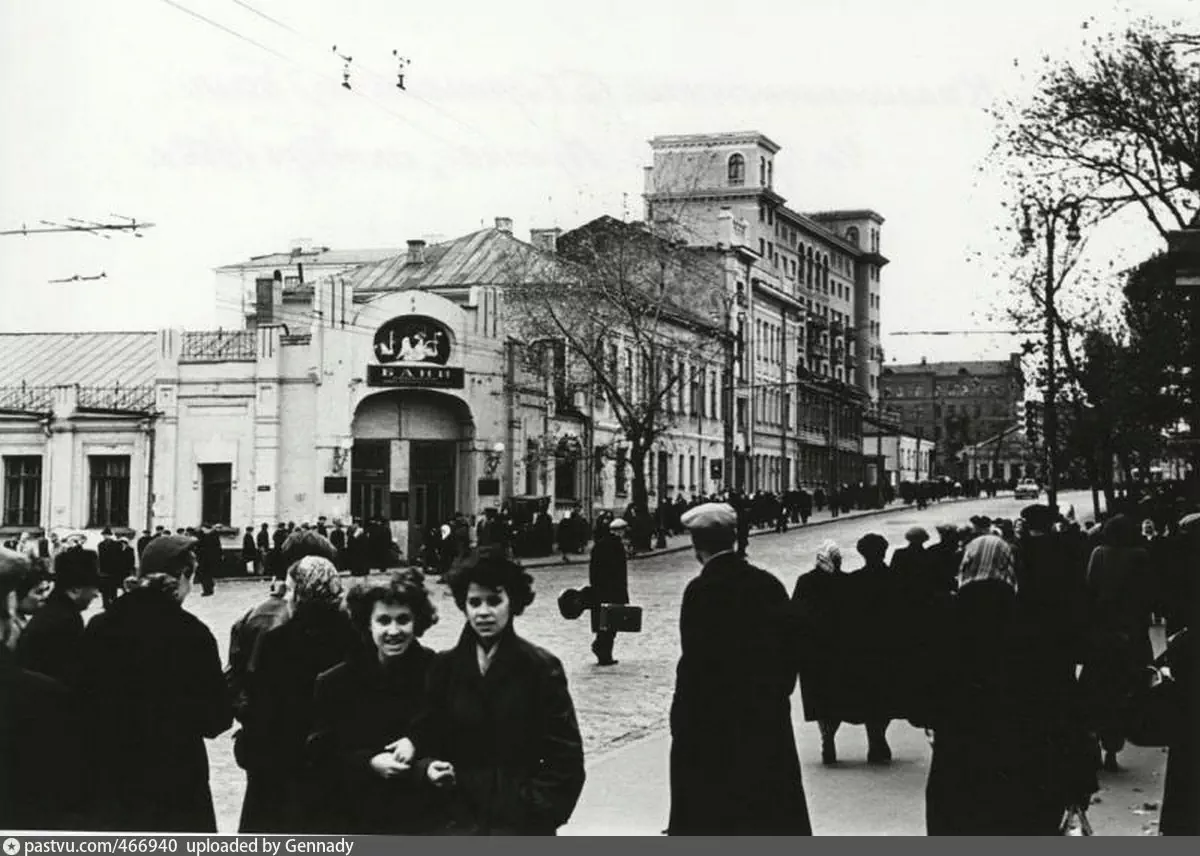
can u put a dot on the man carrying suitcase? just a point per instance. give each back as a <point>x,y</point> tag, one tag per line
<point>608,576</point>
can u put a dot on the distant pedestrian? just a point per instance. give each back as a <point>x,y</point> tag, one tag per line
<point>249,552</point>
<point>608,575</point>
<point>734,766</point>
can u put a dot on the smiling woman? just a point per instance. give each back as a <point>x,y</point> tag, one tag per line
<point>497,738</point>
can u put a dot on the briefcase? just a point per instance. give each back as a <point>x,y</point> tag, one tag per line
<point>617,617</point>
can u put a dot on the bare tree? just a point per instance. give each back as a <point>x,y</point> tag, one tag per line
<point>629,313</point>
<point>1125,120</point>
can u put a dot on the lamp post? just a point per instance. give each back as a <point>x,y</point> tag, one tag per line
<point>1048,216</point>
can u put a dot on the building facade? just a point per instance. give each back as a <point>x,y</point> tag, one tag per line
<point>955,404</point>
<point>808,309</point>
<point>905,457</point>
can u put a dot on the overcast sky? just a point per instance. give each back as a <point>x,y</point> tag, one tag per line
<point>526,109</point>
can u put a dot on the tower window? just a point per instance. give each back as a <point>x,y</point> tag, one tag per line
<point>762,172</point>
<point>737,170</point>
<point>852,235</point>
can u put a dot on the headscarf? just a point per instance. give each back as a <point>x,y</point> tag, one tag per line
<point>829,557</point>
<point>988,557</point>
<point>315,578</point>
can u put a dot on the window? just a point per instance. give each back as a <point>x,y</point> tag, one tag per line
<point>216,493</point>
<point>565,478</point>
<point>712,407</point>
<point>22,490</point>
<point>679,484</point>
<point>695,393</point>
<point>852,235</point>
<point>109,494</point>
<point>762,171</point>
<point>737,170</point>
<point>620,476</point>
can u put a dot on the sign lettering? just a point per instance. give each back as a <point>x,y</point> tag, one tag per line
<point>415,375</point>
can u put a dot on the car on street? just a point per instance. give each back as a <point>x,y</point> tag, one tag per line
<point>1027,489</point>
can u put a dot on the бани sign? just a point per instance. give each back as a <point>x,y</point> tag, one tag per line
<point>413,351</point>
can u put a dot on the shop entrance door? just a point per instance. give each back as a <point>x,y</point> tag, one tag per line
<point>432,483</point>
<point>370,477</point>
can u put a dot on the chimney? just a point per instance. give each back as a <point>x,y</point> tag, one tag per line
<point>545,240</point>
<point>416,252</point>
<point>504,224</point>
<point>301,245</point>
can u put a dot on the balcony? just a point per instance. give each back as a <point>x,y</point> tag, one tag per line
<point>124,399</point>
<point>816,348</point>
<point>26,399</point>
<point>818,321</point>
<point>218,346</point>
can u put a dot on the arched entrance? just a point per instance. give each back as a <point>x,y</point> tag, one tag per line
<point>411,464</point>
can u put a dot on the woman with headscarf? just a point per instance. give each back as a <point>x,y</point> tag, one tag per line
<point>1120,594</point>
<point>819,600</point>
<point>368,702</point>
<point>1006,742</point>
<point>497,737</point>
<point>277,714</point>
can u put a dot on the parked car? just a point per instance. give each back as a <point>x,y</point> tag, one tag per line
<point>1027,489</point>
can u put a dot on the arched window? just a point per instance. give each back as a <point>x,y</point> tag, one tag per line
<point>762,171</point>
<point>852,235</point>
<point>737,170</point>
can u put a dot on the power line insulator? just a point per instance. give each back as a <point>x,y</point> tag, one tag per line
<point>401,64</point>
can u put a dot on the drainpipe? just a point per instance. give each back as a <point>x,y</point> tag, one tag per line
<point>148,430</point>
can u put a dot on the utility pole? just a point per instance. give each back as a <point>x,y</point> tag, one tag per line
<point>1049,215</point>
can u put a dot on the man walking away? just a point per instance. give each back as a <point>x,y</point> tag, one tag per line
<point>249,551</point>
<point>110,572</point>
<point>734,767</point>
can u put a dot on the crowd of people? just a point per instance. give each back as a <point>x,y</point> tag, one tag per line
<point>1019,645</point>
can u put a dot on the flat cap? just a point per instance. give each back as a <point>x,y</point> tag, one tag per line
<point>76,568</point>
<point>710,515</point>
<point>161,554</point>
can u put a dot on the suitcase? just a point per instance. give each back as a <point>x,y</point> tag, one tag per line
<point>617,617</point>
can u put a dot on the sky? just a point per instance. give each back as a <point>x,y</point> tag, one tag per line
<point>237,143</point>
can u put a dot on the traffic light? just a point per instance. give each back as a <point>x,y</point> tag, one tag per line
<point>1033,428</point>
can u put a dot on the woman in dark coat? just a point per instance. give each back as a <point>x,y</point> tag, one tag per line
<point>846,661</point>
<point>281,794</point>
<point>369,702</point>
<point>1009,752</point>
<point>1120,596</point>
<point>152,691</point>
<point>497,736</point>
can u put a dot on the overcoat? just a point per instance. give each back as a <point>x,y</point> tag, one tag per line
<point>153,690</point>
<point>360,707</point>
<point>511,734</point>
<point>41,777</point>
<point>851,657</point>
<point>608,570</point>
<point>52,641</point>
<point>281,795</point>
<point>1010,751</point>
<point>734,766</point>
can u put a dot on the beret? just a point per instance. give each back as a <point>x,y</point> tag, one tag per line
<point>710,515</point>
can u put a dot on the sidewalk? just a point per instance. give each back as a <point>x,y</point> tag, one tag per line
<point>680,543</point>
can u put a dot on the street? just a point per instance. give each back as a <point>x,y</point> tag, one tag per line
<point>623,709</point>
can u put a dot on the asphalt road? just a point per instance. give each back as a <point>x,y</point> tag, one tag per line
<point>623,709</point>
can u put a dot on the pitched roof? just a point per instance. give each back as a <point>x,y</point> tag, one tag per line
<point>485,257</point>
<point>317,256</point>
<point>87,359</point>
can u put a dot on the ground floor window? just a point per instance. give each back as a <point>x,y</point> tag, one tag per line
<point>565,478</point>
<point>108,494</point>
<point>216,493</point>
<point>22,490</point>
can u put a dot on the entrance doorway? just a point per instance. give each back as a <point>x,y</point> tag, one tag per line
<point>432,484</point>
<point>370,475</point>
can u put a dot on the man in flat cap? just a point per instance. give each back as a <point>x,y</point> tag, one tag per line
<point>52,642</point>
<point>608,575</point>
<point>734,767</point>
<point>152,685</point>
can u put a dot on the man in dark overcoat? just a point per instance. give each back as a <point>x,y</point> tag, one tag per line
<point>108,551</point>
<point>41,779</point>
<point>734,766</point>
<point>52,642</point>
<point>608,575</point>
<point>152,684</point>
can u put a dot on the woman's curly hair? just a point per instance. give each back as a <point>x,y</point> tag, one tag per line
<point>403,588</point>
<point>490,568</point>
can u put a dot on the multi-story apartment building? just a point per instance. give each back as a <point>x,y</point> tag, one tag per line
<point>809,305</point>
<point>955,404</point>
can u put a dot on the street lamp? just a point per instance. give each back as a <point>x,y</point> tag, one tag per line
<point>1049,214</point>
